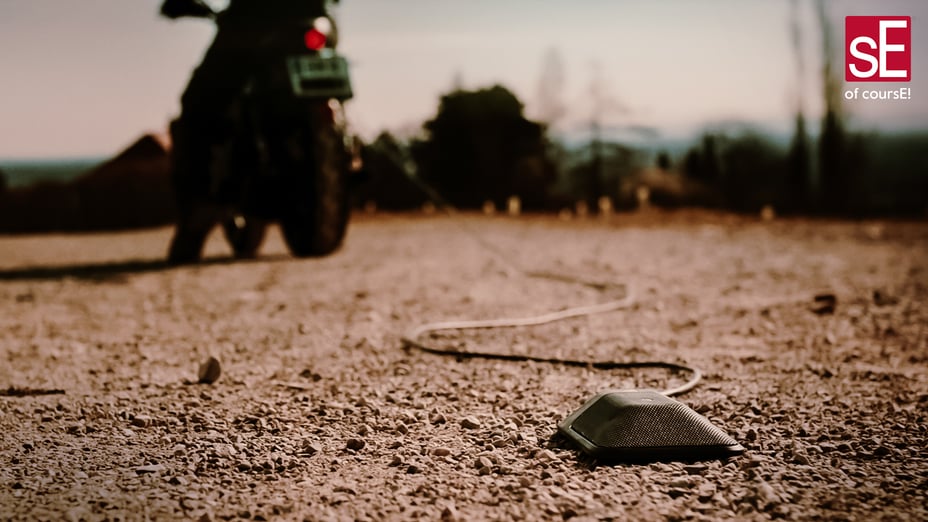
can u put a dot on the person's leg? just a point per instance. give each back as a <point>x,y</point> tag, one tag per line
<point>213,87</point>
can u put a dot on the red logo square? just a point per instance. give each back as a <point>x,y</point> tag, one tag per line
<point>878,48</point>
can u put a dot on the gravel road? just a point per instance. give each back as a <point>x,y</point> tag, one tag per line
<point>320,414</point>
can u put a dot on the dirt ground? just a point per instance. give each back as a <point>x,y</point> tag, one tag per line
<point>320,414</point>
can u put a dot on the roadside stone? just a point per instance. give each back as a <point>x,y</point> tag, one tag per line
<point>547,455</point>
<point>706,492</point>
<point>449,514</point>
<point>482,462</point>
<point>310,448</point>
<point>695,469</point>
<point>151,468</point>
<point>470,423</point>
<point>209,371</point>
<point>141,421</point>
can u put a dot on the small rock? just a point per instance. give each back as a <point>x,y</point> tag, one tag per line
<point>766,495</point>
<point>677,492</point>
<point>141,421</point>
<point>484,471</point>
<point>547,455</point>
<point>706,492</point>
<point>413,469</point>
<point>681,483</point>
<point>355,444</point>
<point>824,304</point>
<point>151,468</point>
<point>483,462</point>
<point>441,452</point>
<point>882,298</point>
<point>310,448</point>
<point>695,469</point>
<point>449,514</point>
<point>80,475</point>
<point>209,371</point>
<point>470,423</point>
<point>752,462</point>
<point>437,418</point>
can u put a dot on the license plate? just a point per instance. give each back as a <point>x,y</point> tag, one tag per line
<point>319,76</point>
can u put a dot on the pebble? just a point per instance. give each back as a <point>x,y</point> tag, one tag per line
<point>141,421</point>
<point>441,452</point>
<point>209,371</point>
<point>706,492</point>
<point>449,514</point>
<point>470,423</point>
<point>752,462</point>
<point>355,444</point>
<point>766,495</point>
<point>681,482</point>
<point>482,462</point>
<point>547,455</point>
<point>695,469</point>
<point>151,468</point>
<point>311,448</point>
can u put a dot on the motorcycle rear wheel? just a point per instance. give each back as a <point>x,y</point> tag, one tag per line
<point>315,222</point>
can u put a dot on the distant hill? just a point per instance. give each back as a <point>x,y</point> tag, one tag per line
<point>131,190</point>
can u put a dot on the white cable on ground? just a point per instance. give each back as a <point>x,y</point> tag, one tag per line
<point>411,339</point>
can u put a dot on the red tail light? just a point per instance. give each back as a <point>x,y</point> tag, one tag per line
<point>315,39</point>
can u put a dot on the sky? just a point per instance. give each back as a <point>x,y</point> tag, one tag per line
<point>87,78</point>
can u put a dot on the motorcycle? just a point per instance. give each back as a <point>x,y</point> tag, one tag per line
<point>285,154</point>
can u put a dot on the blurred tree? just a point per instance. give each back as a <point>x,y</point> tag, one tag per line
<point>752,170</point>
<point>799,173</point>
<point>663,160</point>
<point>797,179</point>
<point>388,184</point>
<point>834,171</point>
<point>480,147</point>
<point>701,163</point>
